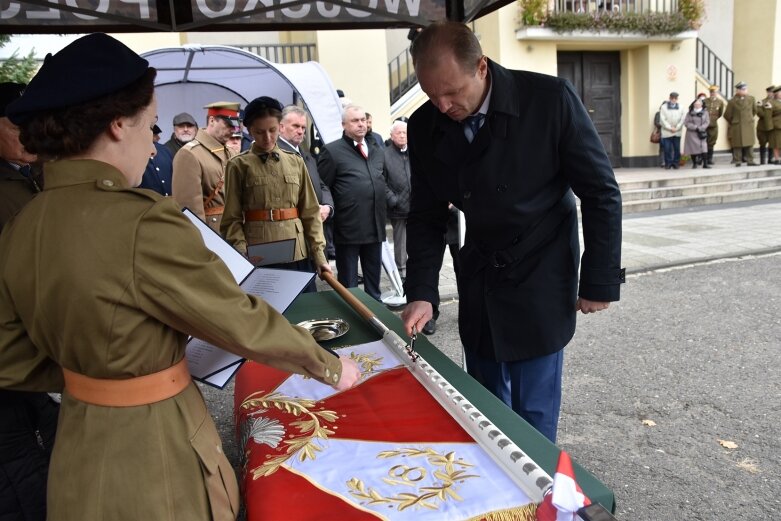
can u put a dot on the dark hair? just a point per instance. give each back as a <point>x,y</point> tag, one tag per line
<point>71,130</point>
<point>262,107</point>
<point>458,38</point>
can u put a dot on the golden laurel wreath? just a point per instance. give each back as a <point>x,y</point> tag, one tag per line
<point>451,472</point>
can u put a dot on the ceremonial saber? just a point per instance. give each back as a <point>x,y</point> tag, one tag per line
<point>523,470</point>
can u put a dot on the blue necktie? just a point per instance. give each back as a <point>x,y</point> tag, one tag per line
<point>472,125</point>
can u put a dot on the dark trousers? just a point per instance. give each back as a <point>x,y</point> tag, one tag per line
<point>304,265</point>
<point>24,460</point>
<point>347,256</point>
<point>531,388</point>
<point>672,151</point>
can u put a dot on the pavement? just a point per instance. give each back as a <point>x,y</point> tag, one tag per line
<point>680,236</point>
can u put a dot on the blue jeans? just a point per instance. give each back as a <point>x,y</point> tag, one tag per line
<point>672,150</point>
<point>531,388</point>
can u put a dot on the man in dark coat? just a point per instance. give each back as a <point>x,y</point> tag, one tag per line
<point>353,167</point>
<point>508,148</point>
<point>160,168</point>
<point>24,416</point>
<point>292,129</point>
<point>397,191</point>
<point>185,129</point>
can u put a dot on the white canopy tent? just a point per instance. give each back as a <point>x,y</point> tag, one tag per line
<point>190,77</point>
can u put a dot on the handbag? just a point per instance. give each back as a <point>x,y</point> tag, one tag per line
<point>656,136</point>
<point>703,134</point>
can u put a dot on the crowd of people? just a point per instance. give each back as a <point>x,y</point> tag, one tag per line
<point>749,121</point>
<point>102,283</point>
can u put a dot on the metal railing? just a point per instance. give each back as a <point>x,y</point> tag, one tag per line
<point>283,52</point>
<point>401,75</point>
<point>615,6</point>
<point>714,70</point>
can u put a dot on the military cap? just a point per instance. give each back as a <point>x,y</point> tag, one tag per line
<point>776,89</point>
<point>9,91</point>
<point>713,88</point>
<point>673,94</point>
<point>89,68</point>
<point>228,110</point>
<point>183,118</point>
<point>741,85</point>
<point>771,88</point>
<point>156,130</point>
<point>254,108</point>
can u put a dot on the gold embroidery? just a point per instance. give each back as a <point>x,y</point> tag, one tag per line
<point>368,363</point>
<point>524,513</point>
<point>311,430</point>
<point>451,472</point>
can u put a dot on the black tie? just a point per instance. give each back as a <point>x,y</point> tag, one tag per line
<point>265,155</point>
<point>472,125</point>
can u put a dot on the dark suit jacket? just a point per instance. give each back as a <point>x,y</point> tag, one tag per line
<point>16,191</point>
<point>321,189</point>
<point>537,145</point>
<point>159,171</point>
<point>358,188</point>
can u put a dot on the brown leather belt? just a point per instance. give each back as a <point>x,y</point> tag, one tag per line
<point>130,392</point>
<point>214,210</point>
<point>277,214</point>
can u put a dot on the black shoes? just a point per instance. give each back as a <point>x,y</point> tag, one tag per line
<point>430,328</point>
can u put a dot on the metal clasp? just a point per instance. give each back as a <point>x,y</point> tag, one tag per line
<point>410,348</point>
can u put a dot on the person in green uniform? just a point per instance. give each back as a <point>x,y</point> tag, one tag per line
<point>765,125</point>
<point>775,135</point>
<point>715,107</point>
<point>269,195</point>
<point>739,114</point>
<point>101,284</point>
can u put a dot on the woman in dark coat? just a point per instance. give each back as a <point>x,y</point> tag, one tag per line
<point>696,142</point>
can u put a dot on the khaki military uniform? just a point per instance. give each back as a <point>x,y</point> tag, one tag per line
<point>113,283</point>
<point>775,116</point>
<point>715,108</point>
<point>740,114</point>
<point>199,172</point>
<point>764,127</point>
<point>252,184</point>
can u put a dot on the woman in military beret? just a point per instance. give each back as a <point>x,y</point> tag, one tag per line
<point>100,286</point>
<point>269,195</point>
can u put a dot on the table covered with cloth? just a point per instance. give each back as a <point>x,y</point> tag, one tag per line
<point>385,449</point>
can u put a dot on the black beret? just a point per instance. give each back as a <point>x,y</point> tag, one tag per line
<point>9,91</point>
<point>255,106</point>
<point>89,68</point>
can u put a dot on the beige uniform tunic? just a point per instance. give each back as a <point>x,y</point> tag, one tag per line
<point>252,184</point>
<point>199,167</point>
<point>108,282</point>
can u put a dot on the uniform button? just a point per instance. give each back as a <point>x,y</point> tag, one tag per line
<point>327,373</point>
<point>219,449</point>
<point>467,194</point>
<point>108,182</point>
<point>335,377</point>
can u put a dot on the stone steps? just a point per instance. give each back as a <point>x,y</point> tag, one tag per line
<point>649,190</point>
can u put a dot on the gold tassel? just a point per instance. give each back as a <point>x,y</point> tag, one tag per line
<point>524,513</point>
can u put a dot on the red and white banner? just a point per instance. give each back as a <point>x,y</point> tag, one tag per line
<point>566,497</point>
<point>384,449</point>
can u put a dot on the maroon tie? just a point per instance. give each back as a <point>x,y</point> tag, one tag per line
<point>362,150</point>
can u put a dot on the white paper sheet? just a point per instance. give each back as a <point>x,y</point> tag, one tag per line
<point>279,288</point>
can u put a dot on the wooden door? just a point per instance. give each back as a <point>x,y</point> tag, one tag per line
<point>596,77</point>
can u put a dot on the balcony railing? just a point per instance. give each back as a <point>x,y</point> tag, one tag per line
<point>401,75</point>
<point>283,53</point>
<point>714,70</point>
<point>614,6</point>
